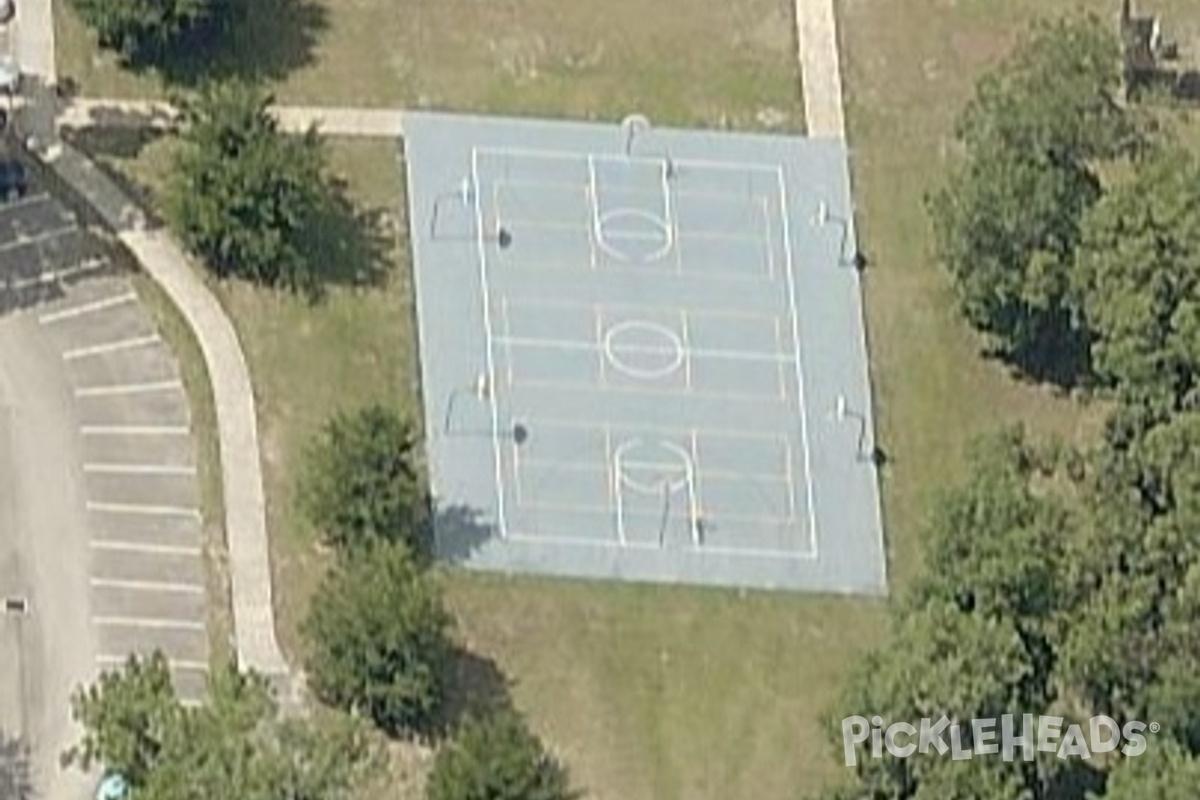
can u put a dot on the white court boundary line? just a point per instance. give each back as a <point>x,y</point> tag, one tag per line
<point>609,544</point>
<point>791,287</point>
<point>581,186</point>
<point>513,153</point>
<point>704,474</point>
<point>611,511</point>
<point>486,297</point>
<point>644,349</point>
<point>537,223</point>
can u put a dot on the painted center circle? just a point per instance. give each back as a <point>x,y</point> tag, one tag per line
<point>652,467</point>
<point>633,235</point>
<point>643,349</point>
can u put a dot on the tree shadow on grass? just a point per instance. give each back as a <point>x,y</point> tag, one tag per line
<point>253,40</point>
<point>1058,355</point>
<point>16,781</point>
<point>475,687</point>
<point>348,245</point>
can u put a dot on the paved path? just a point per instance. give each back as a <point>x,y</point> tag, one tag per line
<point>816,25</point>
<point>237,431</point>
<point>162,258</point>
<point>100,112</point>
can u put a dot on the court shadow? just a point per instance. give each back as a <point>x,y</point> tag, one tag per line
<point>458,532</point>
<point>16,776</point>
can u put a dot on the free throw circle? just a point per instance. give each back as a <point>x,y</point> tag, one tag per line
<point>643,349</point>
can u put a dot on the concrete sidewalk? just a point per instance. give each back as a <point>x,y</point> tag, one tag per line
<point>237,431</point>
<point>820,68</point>
<point>333,121</point>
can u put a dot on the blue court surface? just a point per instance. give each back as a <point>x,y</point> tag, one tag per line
<point>642,354</point>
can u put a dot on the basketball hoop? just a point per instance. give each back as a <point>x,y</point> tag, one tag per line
<point>483,386</point>
<point>631,127</point>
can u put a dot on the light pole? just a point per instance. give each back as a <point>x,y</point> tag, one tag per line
<point>823,218</point>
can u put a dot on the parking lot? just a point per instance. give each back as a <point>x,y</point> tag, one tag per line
<point>147,576</point>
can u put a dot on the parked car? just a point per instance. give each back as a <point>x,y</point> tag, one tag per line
<point>14,180</point>
<point>113,786</point>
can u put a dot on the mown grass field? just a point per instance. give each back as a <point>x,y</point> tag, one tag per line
<point>654,693</point>
<point>709,62</point>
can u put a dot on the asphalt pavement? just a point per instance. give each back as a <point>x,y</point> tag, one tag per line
<point>100,529</point>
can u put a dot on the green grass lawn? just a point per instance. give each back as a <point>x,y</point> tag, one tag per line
<point>687,61</point>
<point>654,693</point>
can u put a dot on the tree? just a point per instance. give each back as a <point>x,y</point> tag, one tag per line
<point>363,481</point>
<point>243,195</point>
<point>975,637</point>
<point>1129,648</point>
<point>1006,228</point>
<point>1137,282</point>
<point>994,547</point>
<point>141,30</point>
<point>377,637</point>
<point>234,745</point>
<point>1055,97</point>
<point>1007,223</point>
<point>496,757</point>
<point>1164,772</point>
<point>128,717</point>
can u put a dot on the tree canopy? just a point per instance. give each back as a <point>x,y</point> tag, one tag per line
<point>1164,772</point>
<point>377,637</point>
<point>1008,221</point>
<point>363,482</point>
<point>496,757</point>
<point>234,745</point>
<point>1137,282</point>
<point>243,195</point>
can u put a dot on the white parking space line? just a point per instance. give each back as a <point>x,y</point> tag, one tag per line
<point>129,388</point>
<point>146,549</point>
<point>134,430</point>
<point>117,660</point>
<point>157,623</point>
<point>143,510</point>
<point>147,586</point>
<point>111,347</point>
<point>139,469</point>
<point>87,308</point>
<point>53,276</point>
<point>27,200</point>
<point>41,237</point>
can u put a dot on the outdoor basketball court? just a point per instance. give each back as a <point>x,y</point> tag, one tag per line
<point>642,353</point>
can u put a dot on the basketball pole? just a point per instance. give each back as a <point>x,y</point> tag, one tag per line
<point>824,217</point>
<point>843,412</point>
